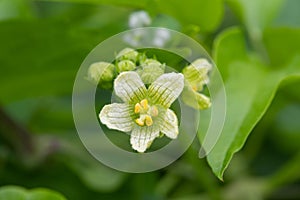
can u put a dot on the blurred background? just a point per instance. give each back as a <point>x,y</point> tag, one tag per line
<point>42,45</point>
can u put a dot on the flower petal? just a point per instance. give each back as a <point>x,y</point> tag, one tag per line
<point>142,137</point>
<point>117,116</point>
<point>129,87</point>
<point>169,127</point>
<point>166,89</point>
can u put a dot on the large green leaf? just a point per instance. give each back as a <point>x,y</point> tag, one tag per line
<point>41,57</point>
<point>250,87</point>
<point>38,58</point>
<point>255,14</point>
<point>18,193</point>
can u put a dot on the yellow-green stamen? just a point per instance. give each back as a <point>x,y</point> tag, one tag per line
<point>146,113</point>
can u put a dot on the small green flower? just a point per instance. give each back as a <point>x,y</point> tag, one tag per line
<point>145,112</point>
<point>101,72</point>
<point>196,76</point>
<point>128,54</point>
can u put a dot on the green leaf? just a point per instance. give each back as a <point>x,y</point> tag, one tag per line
<point>19,193</point>
<point>38,63</point>
<point>131,3</point>
<point>93,174</point>
<point>207,14</point>
<point>12,193</point>
<point>289,14</point>
<point>250,87</point>
<point>15,9</point>
<point>255,14</point>
<point>282,45</point>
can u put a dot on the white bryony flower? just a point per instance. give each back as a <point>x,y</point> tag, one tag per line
<point>145,111</point>
<point>196,76</point>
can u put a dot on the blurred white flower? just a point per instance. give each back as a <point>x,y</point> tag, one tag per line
<point>134,37</point>
<point>161,37</point>
<point>141,37</point>
<point>139,19</point>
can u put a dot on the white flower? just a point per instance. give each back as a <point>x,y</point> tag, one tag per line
<point>139,19</point>
<point>145,112</point>
<point>162,36</point>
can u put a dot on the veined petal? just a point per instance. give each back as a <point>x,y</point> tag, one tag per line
<point>117,116</point>
<point>166,89</point>
<point>129,87</point>
<point>169,125</point>
<point>142,137</point>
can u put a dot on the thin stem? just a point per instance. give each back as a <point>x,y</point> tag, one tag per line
<point>206,179</point>
<point>17,136</point>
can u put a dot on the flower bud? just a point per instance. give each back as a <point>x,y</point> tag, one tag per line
<point>194,99</point>
<point>197,73</point>
<point>150,70</point>
<point>101,72</point>
<point>128,54</point>
<point>125,65</point>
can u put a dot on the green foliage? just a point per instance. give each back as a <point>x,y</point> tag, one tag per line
<point>43,43</point>
<point>18,193</point>
<point>256,14</point>
<point>207,14</point>
<point>249,81</point>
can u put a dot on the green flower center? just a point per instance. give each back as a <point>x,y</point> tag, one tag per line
<point>146,112</point>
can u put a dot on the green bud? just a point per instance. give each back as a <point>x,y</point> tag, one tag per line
<point>197,73</point>
<point>125,65</point>
<point>152,63</point>
<point>142,58</point>
<point>150,70</point>
<point>128,54</point>
<point>194,99</point>
<point>101,72</point>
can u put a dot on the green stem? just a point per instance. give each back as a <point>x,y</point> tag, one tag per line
<point>16,135</point>
<point>207,179</point>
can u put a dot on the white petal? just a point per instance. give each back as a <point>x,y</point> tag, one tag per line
<point>166,89</point>
<point>117,116</point>
<point>142,137</point>
<point>129,87</point>
<point>169,127</point>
